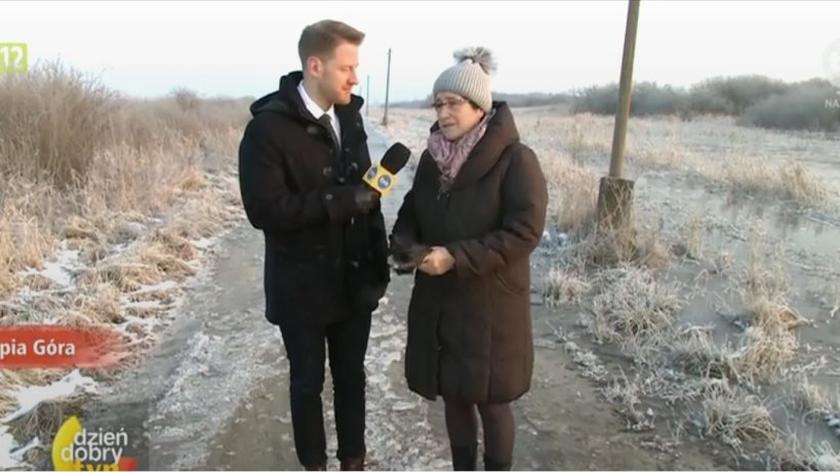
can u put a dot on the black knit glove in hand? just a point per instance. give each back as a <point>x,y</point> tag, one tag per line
<point>406,255</point>
<point>365,197</point>
<point>344,202</point>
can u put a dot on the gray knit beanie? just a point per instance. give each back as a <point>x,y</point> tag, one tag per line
<point>470,77</point>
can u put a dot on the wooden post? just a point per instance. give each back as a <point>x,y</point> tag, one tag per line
<point>625,90</point>
<point>615,197</point>
<point>387,89</point>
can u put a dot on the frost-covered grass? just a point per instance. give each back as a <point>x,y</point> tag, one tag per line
<point>108,205</point>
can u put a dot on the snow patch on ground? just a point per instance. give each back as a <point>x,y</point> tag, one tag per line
<point>31,396</point>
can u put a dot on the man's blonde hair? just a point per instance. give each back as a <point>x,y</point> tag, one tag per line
<point>320,39</point>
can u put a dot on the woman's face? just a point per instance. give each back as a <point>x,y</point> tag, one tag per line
<point>455,115</point>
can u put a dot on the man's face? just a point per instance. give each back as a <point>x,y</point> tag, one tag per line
<point>336,77</point>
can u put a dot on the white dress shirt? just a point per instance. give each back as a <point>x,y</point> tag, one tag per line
<point>317,111</point>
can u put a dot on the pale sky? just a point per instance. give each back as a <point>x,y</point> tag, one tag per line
<point>239,48</point>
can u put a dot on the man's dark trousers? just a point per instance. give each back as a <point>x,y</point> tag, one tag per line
<point>305,343</point>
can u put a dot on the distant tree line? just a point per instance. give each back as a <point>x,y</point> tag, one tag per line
<point>534,99</point>
<point>754,100</point>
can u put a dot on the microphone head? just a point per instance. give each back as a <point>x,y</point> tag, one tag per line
<point>395,158</point>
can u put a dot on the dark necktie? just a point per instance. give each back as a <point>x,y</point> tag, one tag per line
<point>339,162</point>
<point>326,121</point>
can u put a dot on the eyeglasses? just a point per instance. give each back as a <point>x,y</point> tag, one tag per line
<point>452,103</point>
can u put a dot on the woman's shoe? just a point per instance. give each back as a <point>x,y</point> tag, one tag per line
<point>357,463</point>
<point>490,464</point>
<point>463,457</point>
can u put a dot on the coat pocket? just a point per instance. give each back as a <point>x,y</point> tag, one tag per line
<point>366,287</point>
<point>503,280</point>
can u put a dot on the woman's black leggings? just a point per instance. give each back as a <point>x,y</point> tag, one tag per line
<point>496,420</point>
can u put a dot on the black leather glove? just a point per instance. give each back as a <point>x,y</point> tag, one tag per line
<point>365,197</point>
<point>345,201</point>
<point>406,255</point>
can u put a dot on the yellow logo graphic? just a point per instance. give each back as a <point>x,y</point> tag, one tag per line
<point>64,441</point>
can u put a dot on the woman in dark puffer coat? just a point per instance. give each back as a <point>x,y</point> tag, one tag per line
<point>478,203</point>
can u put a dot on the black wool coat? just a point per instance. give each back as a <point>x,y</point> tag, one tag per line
<point>323,260</point>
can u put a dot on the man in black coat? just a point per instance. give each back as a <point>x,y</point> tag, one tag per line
<point>301,163</point>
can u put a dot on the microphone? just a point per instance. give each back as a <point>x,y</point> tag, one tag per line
<point>383,177</point>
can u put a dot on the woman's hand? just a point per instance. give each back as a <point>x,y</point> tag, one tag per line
<point>438,262</point>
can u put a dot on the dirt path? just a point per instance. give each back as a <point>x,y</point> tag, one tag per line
<point>214,394</point>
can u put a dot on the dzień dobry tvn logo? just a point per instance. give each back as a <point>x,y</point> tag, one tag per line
<point>13,58</point>
<point>76,448</point>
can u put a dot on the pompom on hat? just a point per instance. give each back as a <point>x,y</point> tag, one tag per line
<point>469,77</point>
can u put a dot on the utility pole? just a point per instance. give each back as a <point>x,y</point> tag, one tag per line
<point>387,89</point>
<point>615,198</point>
<point>625,90</point>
